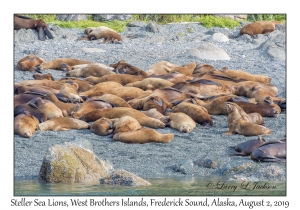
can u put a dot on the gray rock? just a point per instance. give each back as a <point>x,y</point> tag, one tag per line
<point>184,166</point>
<point>274,47</point>
<point>136,24</point>
<point>281,27</point>
<point>152,27</point>
<point>209,51</point>
<point>25,35</point>
<point>110,17</point>
<point>219,37</point>
<point>71,17</point>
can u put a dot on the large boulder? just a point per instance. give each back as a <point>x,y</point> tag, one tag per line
<point>125,178</point>
<point>209,51</point>
<point>72,162</point>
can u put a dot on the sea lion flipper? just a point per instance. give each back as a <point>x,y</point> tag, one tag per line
<point>41,34</point>
<point>48,33</point>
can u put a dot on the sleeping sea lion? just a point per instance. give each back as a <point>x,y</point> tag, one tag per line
<point>29,63</point>
<point>25,125</point>
<point>125,124</point>
<point>82,84</point>
<point>70,90</point>
<point>198,113</point>
<point>162,67</point>
<point>52,84</point>
<point>102,127</point>
<point>181,122</point>
<point>122,67</point>
<point>66,108</point>
<point>150,84</point>
<point>100,89</point>
<point>143,135</point>
<point>118,112</point>
<point>274,151</point>
<point>47,107</point>
<point>157,115</point>
<point>90,70</point>
<point>62,124</point>
<point>108,34</point>
<point>245,148</point>
<point>116,101</point>
<point>43,76</point>
<point>123,79</point>
<point>174,77</point>
<point>187,69</point>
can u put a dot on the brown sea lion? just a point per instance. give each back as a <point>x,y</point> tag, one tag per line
<point>241,88</point>
<point>203,69</point>
<point>238,125</point>
<point>18,89</point>
<point>66,108</point>
<point>126,124</point>
<point>82,84</point>
<point>30,23</point>
<point>63,64</point>
<point>102,127</point>
<point>187,69</point>
<point>266,108</point>
<point>25,125</point>
<point>260,93</point>
<point>143,135</point>
<point>274,151</point>
<point>108,34</point>
<point>222,79</point>
<point>123,79</point>
<point>29,63</point>
<point>52,84</point>
<point>90,105</point>
<point>181,122</point>
<point>27,108</point>
<point>70,90</point>
<point>174,77</point>
<point>245,148</point>
<point>157,115</point>
<point>259,27</point>
<point>150,84</point>
<point>122,67</point>
<point>150,102</point>
<point>90,70</point>
<point>100,89</point>
<point>198,113</point>
<point>118,112</point>
<point>47,107</point>
<point>24,98</point>
<point>63,124</point>
<point>245,75</point>
<point>116,101</point>
<point>162,67</point>
<point>203,88</point>
<point>43,76</point>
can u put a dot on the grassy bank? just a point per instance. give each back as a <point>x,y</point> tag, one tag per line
<point>206,20</point>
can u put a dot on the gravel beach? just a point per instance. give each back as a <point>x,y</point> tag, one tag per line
<point>172,42</point>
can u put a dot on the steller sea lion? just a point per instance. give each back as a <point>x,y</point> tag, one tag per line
<point>203,69</point>
<point>116,101</point>
<point>181,122</point>
<point>238,125</point>
<point>174,77</point>
<point>26,108</point>
<point>118,112</point>
<point>90,70</point>
<point>29,63</point>
<point>18,89</point>
<point>198,113</point>
<point>122,67</point>
<point>245,148</point>
<point>259,27</point>
<point>108,34</point>
<point>30,23</point>
<point>143,135</point>
<point>123,79</point>
<point>52,84</point>
<point>63,64</point>
<point>100,89</point>
<point>70,90</point>
<point>24,98</point>
<point>240,74</point>
<point>102,127</point>
<point>260,93</point>
<point>187,70</point>
<point>162,67</point>
<point>274,151</point>
<point>82,84</point>
<point>43,76</point>
<point>150,84</point>
<point>25,125</point>
<point>47,107</point>
<point>241,88</point>
<point>90,105</point>
<point>125,124</point>
<point>157,115</point>
<point>66,108</point>
<point>62,124</point>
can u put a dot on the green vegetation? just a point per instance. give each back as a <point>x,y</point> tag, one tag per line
<point>206,20</point>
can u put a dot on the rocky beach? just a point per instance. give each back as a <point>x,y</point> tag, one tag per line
<point>204,152</point>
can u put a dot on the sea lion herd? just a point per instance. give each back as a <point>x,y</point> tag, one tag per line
<point>128,103</point>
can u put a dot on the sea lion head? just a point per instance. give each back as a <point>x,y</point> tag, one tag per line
<point>185,128</point>
<point>155,102</point>
<point>29,63</point>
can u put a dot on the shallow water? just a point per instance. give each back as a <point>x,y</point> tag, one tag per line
<point>167,187</point>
